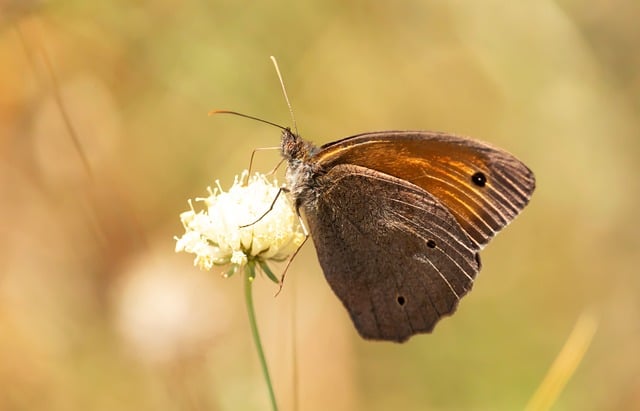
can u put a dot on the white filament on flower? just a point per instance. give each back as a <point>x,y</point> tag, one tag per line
<point>232,227</point>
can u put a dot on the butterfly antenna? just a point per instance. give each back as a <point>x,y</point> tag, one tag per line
<point>284,91</point>
<point>235,113</point>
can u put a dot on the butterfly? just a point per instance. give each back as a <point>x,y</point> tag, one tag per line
<point>398,219</point>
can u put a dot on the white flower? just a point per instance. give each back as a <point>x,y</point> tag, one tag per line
<point>236,226</point>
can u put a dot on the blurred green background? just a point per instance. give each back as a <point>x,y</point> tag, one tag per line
<point>97,312</point>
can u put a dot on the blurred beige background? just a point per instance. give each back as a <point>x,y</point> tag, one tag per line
<point>97,312</point>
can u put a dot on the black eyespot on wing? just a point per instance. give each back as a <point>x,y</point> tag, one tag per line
<point>479,179</point>
<point>431,244</point>
<point>401,300</point>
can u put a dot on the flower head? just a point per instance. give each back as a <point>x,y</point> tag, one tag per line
<point>236,226</point>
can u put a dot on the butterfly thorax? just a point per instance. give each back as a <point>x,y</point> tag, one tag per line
<point>301,170</point>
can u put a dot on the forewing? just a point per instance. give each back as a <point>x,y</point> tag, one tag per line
<point>392,253</point>
<point>444,165</point>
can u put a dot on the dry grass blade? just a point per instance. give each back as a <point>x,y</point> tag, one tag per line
<point>565,364</point>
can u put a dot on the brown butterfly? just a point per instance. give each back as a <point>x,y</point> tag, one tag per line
<point>398,219</point>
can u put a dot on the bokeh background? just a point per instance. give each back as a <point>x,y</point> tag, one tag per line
<point>97,312</point>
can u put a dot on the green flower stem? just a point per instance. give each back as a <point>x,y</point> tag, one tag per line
<point>250,275</point>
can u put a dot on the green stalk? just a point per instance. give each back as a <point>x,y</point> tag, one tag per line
<point>250,275</point>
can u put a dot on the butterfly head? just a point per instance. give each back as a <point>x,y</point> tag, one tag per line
<point>300,168</point>
<point>292,146</point>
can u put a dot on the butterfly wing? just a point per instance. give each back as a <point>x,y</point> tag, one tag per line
<point>482,186</point>
<point>393,254</point>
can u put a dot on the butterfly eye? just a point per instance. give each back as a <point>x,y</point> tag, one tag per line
<point>479,179</point>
